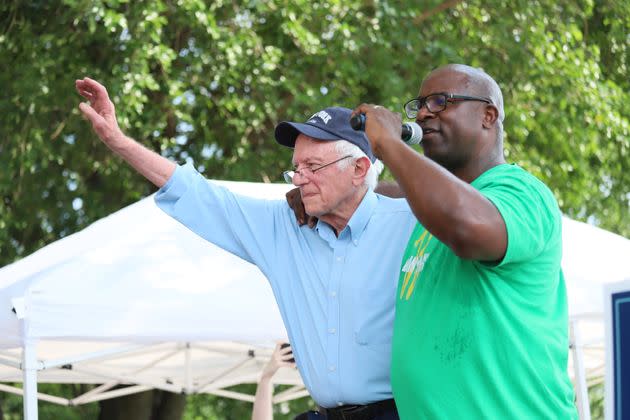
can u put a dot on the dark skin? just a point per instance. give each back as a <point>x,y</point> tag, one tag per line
<point>462,145</point>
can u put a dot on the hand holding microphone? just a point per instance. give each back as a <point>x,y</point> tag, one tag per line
<point>411,132</point>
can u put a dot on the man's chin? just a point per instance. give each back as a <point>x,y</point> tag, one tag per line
<point>313,210</point>
<point>431,153</point>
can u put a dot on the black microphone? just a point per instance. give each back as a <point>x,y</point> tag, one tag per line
<point>411,132</point>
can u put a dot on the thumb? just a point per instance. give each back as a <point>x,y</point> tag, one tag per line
<point>89,112</point>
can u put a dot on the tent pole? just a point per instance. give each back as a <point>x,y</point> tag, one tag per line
<point>581,389</point>
<point>29,373</point>
<point>188,381</point>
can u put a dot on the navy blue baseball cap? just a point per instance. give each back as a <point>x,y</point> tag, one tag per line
<point>328,124</point>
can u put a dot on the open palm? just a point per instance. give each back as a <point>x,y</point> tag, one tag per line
<point>100,110</point>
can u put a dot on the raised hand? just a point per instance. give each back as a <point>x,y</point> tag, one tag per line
<point>99,111</point>
<point>381,126</point>
<point>281,357</point>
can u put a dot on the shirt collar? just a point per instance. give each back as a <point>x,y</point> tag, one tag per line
<point>360,217</point>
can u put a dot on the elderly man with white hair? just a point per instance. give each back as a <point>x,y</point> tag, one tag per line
<point>335,283</point>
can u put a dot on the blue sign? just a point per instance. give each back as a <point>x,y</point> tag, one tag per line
<point>621,354</point>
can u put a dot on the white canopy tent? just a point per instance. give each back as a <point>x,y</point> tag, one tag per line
<point>136,299</point>
<point>592,258</point>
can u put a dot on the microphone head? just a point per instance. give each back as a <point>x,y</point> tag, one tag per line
<point>412,133</point>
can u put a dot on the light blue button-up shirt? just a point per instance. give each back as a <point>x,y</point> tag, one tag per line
<point>336,294</point>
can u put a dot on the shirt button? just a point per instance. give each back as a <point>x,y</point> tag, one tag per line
<point>356,242</point>
<point>332,330</point>
<point>339,259</point>
<point>331,368</point>
<point>333,294</point>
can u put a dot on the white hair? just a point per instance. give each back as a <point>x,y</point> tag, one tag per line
<point>344,148</point>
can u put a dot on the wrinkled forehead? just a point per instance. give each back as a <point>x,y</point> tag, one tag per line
<point>308,148</point>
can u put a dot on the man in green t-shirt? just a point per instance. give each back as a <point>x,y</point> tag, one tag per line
<point>481,327</point>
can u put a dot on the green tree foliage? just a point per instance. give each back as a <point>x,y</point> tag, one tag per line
<point>11,404</point>
<point>210,407</point>
<point>207,81</point>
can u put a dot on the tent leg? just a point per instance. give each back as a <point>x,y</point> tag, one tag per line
<point>29,373</point>
<point>581,389</point>
<point>188,384</point>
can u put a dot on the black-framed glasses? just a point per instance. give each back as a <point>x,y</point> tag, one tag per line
<point>436,102</point>
<point>308,170</point>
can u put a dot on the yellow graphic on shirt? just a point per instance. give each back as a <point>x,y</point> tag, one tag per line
<point>414,265</point>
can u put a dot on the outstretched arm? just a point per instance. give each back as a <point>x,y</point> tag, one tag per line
<point>263,405</point>
<point>100,112</point>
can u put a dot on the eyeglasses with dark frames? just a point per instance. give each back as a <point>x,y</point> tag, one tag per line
<point>436,102</point>
<point>308,171</point>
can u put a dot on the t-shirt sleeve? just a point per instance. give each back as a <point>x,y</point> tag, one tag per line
<point>530,213</point>
<point>242,225</point>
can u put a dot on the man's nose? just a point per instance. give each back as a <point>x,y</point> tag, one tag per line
<point>424,113</point>
<point>299,179</point>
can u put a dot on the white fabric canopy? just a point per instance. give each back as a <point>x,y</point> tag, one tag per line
<point>136,298</point>
<point>592,258</point>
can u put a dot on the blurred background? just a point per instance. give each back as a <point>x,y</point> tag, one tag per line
<point>207,81</point>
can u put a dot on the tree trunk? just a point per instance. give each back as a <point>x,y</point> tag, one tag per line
<point>148,405</point>
<point>168,405</point>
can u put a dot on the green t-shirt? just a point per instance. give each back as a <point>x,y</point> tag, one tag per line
<point>486,341</point>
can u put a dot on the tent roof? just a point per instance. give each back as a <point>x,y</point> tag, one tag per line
<point>138,298</point>
<point>591,258</point>
<point>138,275</point>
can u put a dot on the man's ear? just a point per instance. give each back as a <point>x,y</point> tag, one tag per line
<point>490,116</point>
<point>361,167</point>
